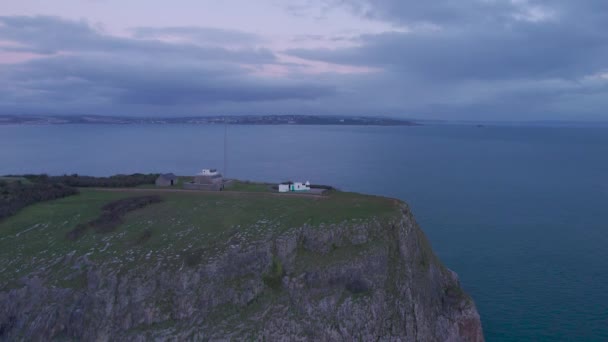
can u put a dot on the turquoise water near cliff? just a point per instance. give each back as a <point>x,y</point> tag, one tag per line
<point>520,213</point>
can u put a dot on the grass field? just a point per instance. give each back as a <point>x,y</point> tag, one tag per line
<point>185,223</point>
<point>237,185</point>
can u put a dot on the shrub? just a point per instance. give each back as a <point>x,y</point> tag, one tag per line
<point>145,236</point>
<point>273,278</point>
<point>116,181</point>
<point>194,257</point>
<point>318,186</point>
<point>112,214</point>
<point>15,196</point>
<point>357,286</point>
<point>77,232</point>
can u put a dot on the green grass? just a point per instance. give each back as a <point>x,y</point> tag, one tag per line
<point>151,186</point>
<point>245,186</point>
<point>274,276</point>
<point>37,233</point>
<point>185,222</point>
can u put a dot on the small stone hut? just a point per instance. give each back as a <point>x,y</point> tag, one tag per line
<point>166,179</point>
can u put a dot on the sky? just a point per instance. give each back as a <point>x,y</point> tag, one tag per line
<point>483,60</point>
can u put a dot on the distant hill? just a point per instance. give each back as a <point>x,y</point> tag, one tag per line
<point>205,120</point>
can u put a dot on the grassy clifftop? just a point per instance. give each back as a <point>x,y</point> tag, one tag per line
<point>158,264</point>
<point>182,228</point>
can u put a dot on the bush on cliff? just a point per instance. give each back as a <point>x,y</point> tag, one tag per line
<point>116,181</point>
<point>274,276</point>
<point>112,214</point>
<point>16,195</point>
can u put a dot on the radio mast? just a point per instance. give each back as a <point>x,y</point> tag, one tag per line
<point>225,146</point>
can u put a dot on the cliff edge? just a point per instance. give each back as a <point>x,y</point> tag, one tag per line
<point>369,277</point>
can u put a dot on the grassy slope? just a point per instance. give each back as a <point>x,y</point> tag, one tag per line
<point>184,223</point>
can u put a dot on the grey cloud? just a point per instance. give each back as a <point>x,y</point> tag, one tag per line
<point>50,35</point>
<point>44,35</point>
<point>526,50</point>
<point>206,35</point>
<point>470,13</point>
<point>321,38</point>
<point>85,70</point>
<point>438,11</point>
<point>482,58</point>
<point>133,82</point>
<point>480,39</point>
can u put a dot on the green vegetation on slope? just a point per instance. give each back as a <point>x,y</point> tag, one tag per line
<point>17,192</point>
<point>273,277</point>
<point>112,215</point>
<point>116,181</point>
<point>184,223</point>
<point>9,179</point>
<point>16,195</point>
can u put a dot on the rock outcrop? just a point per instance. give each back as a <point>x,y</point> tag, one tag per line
<point>365,280</point>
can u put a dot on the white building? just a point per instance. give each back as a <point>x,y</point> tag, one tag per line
<point>297,186</point>
<point>300,186</point>
<point>209,172</point>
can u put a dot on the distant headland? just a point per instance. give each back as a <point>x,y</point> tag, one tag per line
<point>205,120</point>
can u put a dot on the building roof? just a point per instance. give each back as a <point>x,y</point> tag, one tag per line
<point>168,176</point>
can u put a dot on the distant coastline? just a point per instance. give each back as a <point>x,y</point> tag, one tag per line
<point>205,120</point>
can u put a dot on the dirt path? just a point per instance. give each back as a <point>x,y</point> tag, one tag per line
<point>223,193</point>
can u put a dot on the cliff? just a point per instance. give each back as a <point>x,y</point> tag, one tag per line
<point>373,277</point>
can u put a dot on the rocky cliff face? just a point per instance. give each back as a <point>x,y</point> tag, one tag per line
<point>364,280</point>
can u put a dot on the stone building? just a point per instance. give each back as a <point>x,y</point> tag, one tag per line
<point>166,179</point>
<point>209,181</point>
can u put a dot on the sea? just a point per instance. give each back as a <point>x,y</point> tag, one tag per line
<point>520,213</point>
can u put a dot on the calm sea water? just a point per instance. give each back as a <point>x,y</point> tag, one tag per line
<point>520,213</point>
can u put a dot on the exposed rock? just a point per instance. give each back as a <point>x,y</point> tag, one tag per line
<point>373,280</point>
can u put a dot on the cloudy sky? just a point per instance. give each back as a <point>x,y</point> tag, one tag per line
<point>441,59</point>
